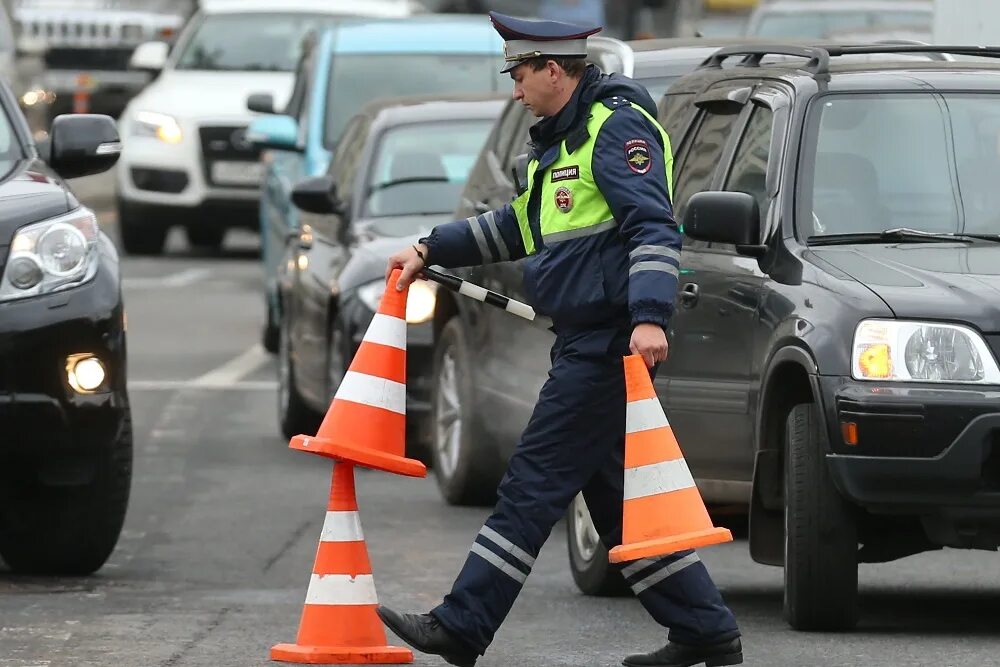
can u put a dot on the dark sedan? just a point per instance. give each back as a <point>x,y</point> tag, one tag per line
<point>399,170</point>
<point>65,426</point>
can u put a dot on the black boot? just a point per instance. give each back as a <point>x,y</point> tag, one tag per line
<point>682,655</point>
<point>426,634</point>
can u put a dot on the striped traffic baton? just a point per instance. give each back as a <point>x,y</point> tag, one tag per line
<point>464,287</point>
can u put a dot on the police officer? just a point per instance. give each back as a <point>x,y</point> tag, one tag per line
<point>596,226</point>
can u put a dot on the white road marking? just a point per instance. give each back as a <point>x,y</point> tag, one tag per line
<point>172,281</point>
<point>234,370</point>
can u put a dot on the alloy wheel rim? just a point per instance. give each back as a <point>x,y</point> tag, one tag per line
<point>448,416</point>
<point>586,537</point>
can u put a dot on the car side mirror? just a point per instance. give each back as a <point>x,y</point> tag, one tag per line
<point>149,57</point>
<point>276,131</point>
<point>261,102</point>
<point>725,217</point>
<point>83,144</point>
<point>317,195</point>
<point>520,173</point>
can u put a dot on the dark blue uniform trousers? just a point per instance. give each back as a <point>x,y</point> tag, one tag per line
<point>575,441</point>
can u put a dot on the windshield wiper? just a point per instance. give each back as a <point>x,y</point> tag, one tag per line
<point>900,234</point>
<point>416,179</point>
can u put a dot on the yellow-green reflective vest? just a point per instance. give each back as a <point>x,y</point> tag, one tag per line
<point>569,213</point>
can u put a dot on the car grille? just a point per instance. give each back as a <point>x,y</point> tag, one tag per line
<point>226,144</point>
<point>88,58</point>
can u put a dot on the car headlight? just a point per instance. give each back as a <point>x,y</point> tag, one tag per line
<point>420,302</point>
<point>921,352</point>
<point>51,255</point>
<point>158,125</point>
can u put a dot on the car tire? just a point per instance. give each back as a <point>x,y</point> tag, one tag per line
<point>588,557</point>
<point>71,530</point>
<point>821,543</point>
<point>294,416</point>
<point>339,354</point>
<point>205,238</point>
<point>465,462</point>
<point>139,234</point>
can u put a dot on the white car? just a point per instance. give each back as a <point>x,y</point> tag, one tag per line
<point>186,161</point>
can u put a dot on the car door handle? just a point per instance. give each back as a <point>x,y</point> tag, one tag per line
<point>689,295</point>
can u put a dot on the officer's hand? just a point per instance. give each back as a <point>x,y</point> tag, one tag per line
<point>409,261</point>
<point>650,341</point>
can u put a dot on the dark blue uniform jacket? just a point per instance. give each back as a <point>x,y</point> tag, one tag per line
<point>624,276</point>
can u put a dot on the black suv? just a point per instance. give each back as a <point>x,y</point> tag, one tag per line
<point>833,357</point>
<point>65,428</point>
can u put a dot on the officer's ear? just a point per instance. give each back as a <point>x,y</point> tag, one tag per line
<point>519,170</point>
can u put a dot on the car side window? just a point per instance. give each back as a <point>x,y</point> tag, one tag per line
<point>297,102</point>
<point>701,158</point>
<point>749,170</point>
<point>519,141</point>
<point>506,130</point>
<point>674,116</point>
<point>346,159</point>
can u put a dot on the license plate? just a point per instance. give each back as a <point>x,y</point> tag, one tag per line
<point>237,173</point>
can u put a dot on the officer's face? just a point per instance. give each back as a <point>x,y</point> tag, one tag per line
<point>537,90</point>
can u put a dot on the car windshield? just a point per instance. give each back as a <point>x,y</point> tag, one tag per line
<point>820,25</point>
<point>356,80</point>
<point>923,161</point>
<point>420,169</point>
<point>250,42</point>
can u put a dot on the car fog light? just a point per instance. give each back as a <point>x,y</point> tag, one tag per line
<point>86,372</point>
<point>420,302</point>
<point>24,272</point>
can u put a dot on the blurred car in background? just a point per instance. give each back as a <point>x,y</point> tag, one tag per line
<point>187,160</point>
<point>825,19</point>
<point>397,172</point>
<point>85,45</point>
<point>65,422</point>
<point>350,66</point>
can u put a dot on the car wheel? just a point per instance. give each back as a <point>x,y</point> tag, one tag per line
<point>464,461</point>
<point>294,416</point>
<point>270,333</point>
<point>821,543</point>
<point>588,557</point>
<point>139,235</point>
<point>205,238</point>
<point>71,530</point>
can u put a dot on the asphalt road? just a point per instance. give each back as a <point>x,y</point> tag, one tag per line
<point>222,529</point>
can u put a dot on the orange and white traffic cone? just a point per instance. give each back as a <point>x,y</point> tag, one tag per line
<point>366,423</point>
<point>663,510</point>
<point>339,624</point>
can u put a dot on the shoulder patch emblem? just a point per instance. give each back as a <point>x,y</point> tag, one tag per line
<point>637,155</point>
<point>566,174</point>
<point>564,199</point>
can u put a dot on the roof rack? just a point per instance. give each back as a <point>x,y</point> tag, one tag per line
<point>819,56</point>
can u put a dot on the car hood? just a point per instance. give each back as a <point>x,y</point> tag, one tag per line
<point>215,95</point>
<point>368,261</point>
<point>939,281</point>
<point>29,194</point>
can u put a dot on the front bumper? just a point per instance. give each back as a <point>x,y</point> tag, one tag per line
<point>922,449</point>
<point>46,424</point>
